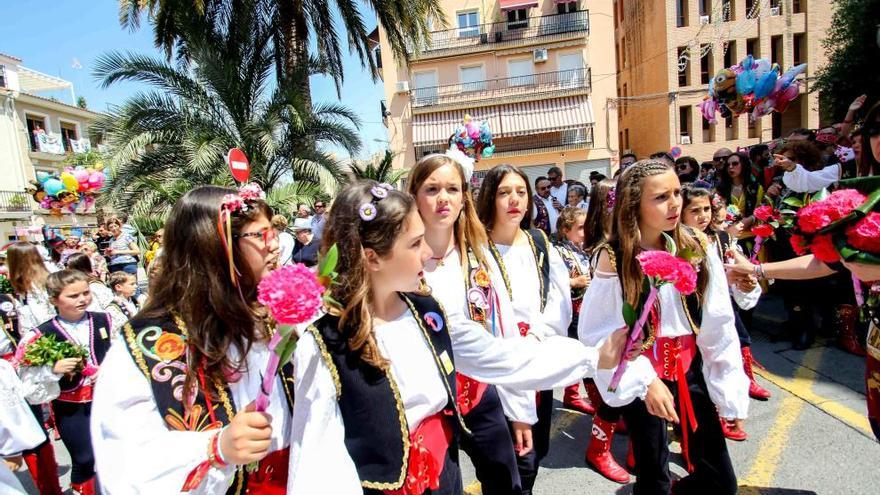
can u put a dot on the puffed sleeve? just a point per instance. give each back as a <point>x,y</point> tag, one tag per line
<point>802,180</point>
<point>719,345</point>
<point>39,383</point>
<point>135,452</point>
<point>746,300</point>
<point>601,315</point>
<point>519,363</point>
<point>19,429</point>
<point>117,318</point>
<point>556,317</point>
<point>518,405</point>
<point>319,461</point>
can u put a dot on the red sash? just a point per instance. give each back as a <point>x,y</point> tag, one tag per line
<point>469,393</point>
<point>78,395</point>
<point>8,357</point>
<point>270,478</point>
<point>671,362</point>
<point>427,454</point>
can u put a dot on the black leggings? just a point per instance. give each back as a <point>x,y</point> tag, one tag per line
<point>713,470</point>
<point>490,447</point>
<point>528,464</point>
<point>72,421</point>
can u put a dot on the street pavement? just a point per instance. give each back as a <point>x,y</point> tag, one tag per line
<point>811,437</point>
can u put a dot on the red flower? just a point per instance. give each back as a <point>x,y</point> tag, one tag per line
<point>292,294</point>
<point>668,268</point>
<point>764,230</point>
<point>865,234</point>
<point>823,248</point>
<point>815,216</point>
<point>763,213</point>
<point>799,244</point>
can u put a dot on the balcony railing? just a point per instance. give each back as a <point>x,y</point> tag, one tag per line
<point>566,139</point>
<point>545,82</point>
<point>14,201</point>
<point>499,32</point>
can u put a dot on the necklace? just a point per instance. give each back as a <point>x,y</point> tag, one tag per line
<point>441,259</point>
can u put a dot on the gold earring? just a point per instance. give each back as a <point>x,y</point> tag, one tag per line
<point>424,289</point>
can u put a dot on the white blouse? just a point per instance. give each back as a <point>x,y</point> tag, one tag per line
<point>320,462</point>
<point>448,287</point>
<point>118,318</point>
<point>34,310</point>
<point>717,341</point>
<point>102,296</point>
<point>522,270</point>
<point>135,452</point>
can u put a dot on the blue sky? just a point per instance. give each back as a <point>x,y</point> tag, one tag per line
<point>48,36</point>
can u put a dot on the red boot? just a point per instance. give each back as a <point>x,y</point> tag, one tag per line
<point>84,488</point>
<point>620,426</point>
<point>44,470</point>
<point>845,318</point>
<point>599,452</point>
<point>573,400</point>
<point>631,458</point>
<point>738,436</point>
<point>755,391</point>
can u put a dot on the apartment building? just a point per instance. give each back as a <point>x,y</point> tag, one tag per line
<point>40,125</point>
<point>540,71</point>
<point>668,51</point>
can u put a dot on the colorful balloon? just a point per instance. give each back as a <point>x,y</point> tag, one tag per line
<point>43,177</point>
<point>70,182</point>
<point>82,177</point>
<point>767,83</point>
<point>53,186</point>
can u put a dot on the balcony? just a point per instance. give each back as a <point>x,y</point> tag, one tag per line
<point>499,33</point>
<point>508,89</point>
<point>562,140</point>
<point>15,202</point>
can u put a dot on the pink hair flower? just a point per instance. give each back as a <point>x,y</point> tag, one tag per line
<point>251,192</point>
<point>232,202</point>
<point>292,293</point>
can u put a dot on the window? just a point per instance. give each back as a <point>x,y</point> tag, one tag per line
<point>683,75</point>
<point>468,24</point>
<point>2,76</point>
<point>625,94</point>
<point>623,53</point>
<point>798,6</point>
<point>728,9</point>
<point>704,6</point>
<point>35,125</point>
<point>616,18</point>
<point>730,128</point>
<point>684,122</point>
<point>755,128</point>
<point>776,123</point>
<point>472,78</point>
<point>705,64</point>
<point>751,9</point>
<point>753,48</point>
<point>571,70</point>
<point>730,54</point>
<point>521,72</point>
<point>708,131</point>
<point>799,48</point>
<point>68,133</point>
<point>566,8</point>
<point>681,13</point>
<point>626,138</point>
<point>776,50</point>
<point>425,87</point>
<point>517,19</point>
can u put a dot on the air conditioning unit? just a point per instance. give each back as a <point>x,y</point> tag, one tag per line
<point>540,55</point>
<point>704,19</point>
<point>775,10</point>
<point>685,140</point>
<point>403,86</point>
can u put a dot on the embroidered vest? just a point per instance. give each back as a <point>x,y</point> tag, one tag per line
<point>9,320</point>
<point>122,308</point>
<point>98,345</point>
<point>542,216</point>
<point>377,436</point>
<point>158,347</point>
<point>569,256</point>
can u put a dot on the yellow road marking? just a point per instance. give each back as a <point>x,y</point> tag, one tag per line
<point>803,389</point>
<point>473,489</point>
<point>767,460</point>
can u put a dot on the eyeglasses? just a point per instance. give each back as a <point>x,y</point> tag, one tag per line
<point>319,206</point>
<point>268,235</point>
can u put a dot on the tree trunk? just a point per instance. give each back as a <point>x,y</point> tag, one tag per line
<point>296,54</point>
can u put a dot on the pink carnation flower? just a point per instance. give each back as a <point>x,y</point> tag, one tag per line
<point>823,249</point>
<point>820,214</point>
<point>865,234</point>
<point>764,213</point>
<point>668,268</point>
<point>251,192</point>
<point>292,294</point>
<point>233,202</point>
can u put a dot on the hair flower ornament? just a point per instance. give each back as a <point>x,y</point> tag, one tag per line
<point>379,192</point>
<point>251,192</point>
<point>610,199</point>
<point>466,162</point>
<point>367,211</point>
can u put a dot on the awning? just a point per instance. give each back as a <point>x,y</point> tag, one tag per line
<point>435,128</point>
<point>555,114</point>
<point>518,4</point>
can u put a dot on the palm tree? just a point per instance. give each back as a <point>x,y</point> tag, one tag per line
<point>170,139</point>
<point>295,25</point>
<point>379,170</point>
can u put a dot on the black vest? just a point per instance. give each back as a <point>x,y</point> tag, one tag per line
<point>98,345</point>
<point>540,245</point>
<point>9,320</point>
<point>376,431</point>
<point>158,347</point>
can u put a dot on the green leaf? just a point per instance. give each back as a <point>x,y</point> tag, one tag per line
<point>284,330</point>
<point>671,248</point>
<point>288,351</point>
<point>819,196</point>
<point>327,265</point>
<point>629,314</point>
<point>793,201</point>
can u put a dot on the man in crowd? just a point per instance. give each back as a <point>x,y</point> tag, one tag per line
<point>285,240</point>
<point>305,249</point>
<point>303,211</point>
<point>558,188</point>
<point>626,160</point>
<point>547,207</point>
<point>319,219</point>
<point>719,158</point>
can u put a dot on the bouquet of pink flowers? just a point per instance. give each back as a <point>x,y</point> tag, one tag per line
<point>766,223</point>
<point>294,294</point>
<point>660,268</point>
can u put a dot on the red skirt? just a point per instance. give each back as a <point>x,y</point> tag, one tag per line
<point>427,454</point>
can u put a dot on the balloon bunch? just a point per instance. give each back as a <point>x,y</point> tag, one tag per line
<point>752,86</point>
<point>473,138</point>
<point>75,186</point>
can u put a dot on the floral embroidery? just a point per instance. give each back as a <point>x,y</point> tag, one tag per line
<point>169,346</point>
<point>194,419</point>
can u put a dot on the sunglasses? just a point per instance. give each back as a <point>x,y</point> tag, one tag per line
<point>720,158</point>
<point>268,235</point>
<point>319,206</point>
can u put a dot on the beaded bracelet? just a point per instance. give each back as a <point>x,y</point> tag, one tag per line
<point>759,271</point>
